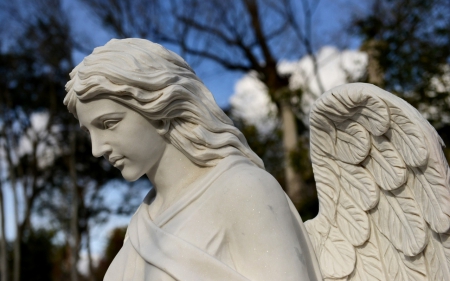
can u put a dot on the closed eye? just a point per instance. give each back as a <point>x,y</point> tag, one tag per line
<point>110,123</point>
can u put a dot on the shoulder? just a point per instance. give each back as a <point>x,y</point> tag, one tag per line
<point>246,182</point>
<point>248,193</point>
<point>260,226</point>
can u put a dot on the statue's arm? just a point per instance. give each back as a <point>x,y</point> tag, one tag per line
<point>262,238</point>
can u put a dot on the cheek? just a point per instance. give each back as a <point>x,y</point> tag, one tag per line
<point>146,147</point>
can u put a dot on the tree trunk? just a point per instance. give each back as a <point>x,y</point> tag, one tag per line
<point>294,183</point>
<point>13,178</point>
<point>74,218</point>
<point>17,224</point>
<point>375,73</point>
<point>88,246</point>
<point>3,249</point>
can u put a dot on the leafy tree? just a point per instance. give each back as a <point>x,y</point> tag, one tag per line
<point>64,185</point>
<point>408,45</point>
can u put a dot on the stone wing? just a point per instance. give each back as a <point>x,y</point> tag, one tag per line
<point>383,187</point>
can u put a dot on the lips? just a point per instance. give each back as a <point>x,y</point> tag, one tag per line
<point>116,161</point>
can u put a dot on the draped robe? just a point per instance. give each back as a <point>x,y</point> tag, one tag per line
<point>236,224</point>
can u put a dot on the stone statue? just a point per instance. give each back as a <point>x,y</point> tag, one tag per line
<point>215,213</point>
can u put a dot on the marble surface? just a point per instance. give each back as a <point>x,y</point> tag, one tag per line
<point>216,214</point>
<point>383,187</point>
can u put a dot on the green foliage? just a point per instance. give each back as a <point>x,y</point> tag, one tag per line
<point>412,39</point>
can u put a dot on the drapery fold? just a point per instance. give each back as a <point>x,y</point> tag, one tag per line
<point>168,247</point>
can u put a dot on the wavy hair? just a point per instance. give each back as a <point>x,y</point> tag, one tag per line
<point>159,85</point>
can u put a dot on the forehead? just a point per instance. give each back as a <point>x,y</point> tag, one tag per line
<point>90,110</point>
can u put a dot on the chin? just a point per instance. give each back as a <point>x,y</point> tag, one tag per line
<point>131,176</point>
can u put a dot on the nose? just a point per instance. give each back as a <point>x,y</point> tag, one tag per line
<point>99,146</point>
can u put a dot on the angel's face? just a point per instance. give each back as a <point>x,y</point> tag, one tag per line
<point>124,137</point>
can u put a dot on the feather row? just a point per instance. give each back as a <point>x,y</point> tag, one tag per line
<point>408,139</point>
<point>318,229</point>
<point>427,194</point>
<point>360,185</point>
<point>368,263</point>
<point>356,102</point>
<point>397,216</point>
<point>352,220</point>
<point>337,258</point>
<point>352,142</point>
<point>323,135</point>
<point>349,143</point>
<point>396,267</point>
<point>326,174</point>
<point>433,258</point>
<point>385,164</point>
<point>444,239</point>
<point>415,267</point>
<point>352,160</point>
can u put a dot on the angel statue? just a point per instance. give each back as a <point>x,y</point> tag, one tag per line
<point>214,213</point>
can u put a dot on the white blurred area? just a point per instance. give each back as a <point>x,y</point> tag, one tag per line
<point>46,139</point>
<point>47,147</point>
<point>252,103</point>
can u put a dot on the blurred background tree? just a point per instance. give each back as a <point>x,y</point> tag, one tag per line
<point>47,161</point>
<point>60,191</point>
<point>407,43</point>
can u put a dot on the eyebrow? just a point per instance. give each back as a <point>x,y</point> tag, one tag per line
<point>106,115</point>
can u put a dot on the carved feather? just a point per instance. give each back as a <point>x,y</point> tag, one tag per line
<point>352,142</point>
<point>326,173</point>
<point>353,101</point>
<point>385,164</point>
<point>368,263</point>
<point>445,240</point>
<point>392,263</point>
<point>407,138</point>
<point>337,258</point>
<point>397,216</point>
<point>323,136</point>
<point>433,258</point>
<point>352,220</point>
<point>428,195</point>
<point>349,143</point>
<point>318,230</point>
<point>360,185</point>
<point>415,267</point>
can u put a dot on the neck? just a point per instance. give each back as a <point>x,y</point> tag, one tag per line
<point>172,176</point>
